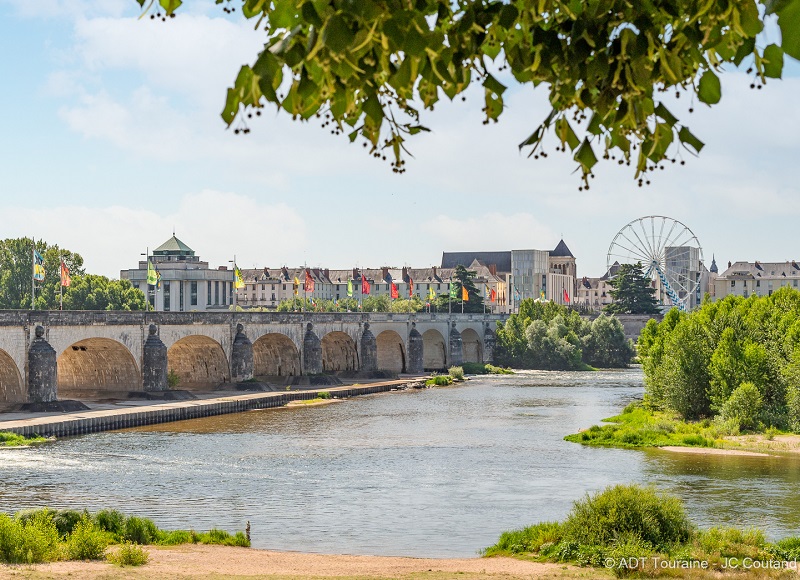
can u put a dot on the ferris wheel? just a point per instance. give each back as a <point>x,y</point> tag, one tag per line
<point>670,254</point>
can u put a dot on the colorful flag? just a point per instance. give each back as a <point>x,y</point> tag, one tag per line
<point>464,294</point>
<point>152,276</point>
<point>492,295</point>
<point>431,293</point>
<point>349,288</point>
<point>238,281</point>
<point>309,285</point>
<point>453,291</point>
<point>395,293</point>
<point>38,266</point>
<point>566,296</point>
<point>365,285</point>
<point>410,287</point>
<point>296,285</point>
<point>158,280</point>
<point>65,279</point>
<point>541,294</point>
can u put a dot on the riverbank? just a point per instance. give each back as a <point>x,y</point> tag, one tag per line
<point>213,562</point>
<point>131,413</point>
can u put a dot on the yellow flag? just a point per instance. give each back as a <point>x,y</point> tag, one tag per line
<point>431,293</point>
<point>238,281</point>
<point>464,294</point>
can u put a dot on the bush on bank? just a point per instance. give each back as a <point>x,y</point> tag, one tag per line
<point>627,522</point>
<point>548,336</point>
<point>45,535</point>
<point>8,439</point>
<point>737,359</point>
<point>472,368</point>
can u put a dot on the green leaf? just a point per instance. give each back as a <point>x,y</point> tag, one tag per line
<point>709,90</point>
<point>748,17</point>
<point>337,35</point>
<point>533,138</point>
<point>687,138</point>
<point>494,85</point>
<point>585,156</point>
<point>745,50</point>
<point>566,134</point>
<point>373,109</point>
<point>508,15</point>
<point>310,14</point>
<point>773,61</point>
<point>665,115</point>
<point>170,5</point>
<point>789,22</point>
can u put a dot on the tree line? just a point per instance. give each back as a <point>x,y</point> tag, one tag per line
<point>549,336</point>
<point>737,359</point>
<point>85,292</point>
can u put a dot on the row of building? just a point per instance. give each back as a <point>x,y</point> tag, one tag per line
<point>187,283</point>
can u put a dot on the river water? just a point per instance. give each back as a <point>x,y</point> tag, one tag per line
<point>437,472</point>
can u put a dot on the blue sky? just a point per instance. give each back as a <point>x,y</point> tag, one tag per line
<point>111,137</point>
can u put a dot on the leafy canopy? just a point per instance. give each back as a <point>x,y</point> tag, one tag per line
<point>632,292</point>
<point>367,67</point>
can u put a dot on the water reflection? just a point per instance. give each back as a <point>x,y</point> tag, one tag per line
<point>438,472</point>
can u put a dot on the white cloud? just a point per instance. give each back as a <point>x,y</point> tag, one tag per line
<point>490,232</point>
<point>217,225</point>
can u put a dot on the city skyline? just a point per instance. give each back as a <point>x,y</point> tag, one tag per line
<point>115,140</point>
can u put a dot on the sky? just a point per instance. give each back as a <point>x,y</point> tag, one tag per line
<point>111,140</point>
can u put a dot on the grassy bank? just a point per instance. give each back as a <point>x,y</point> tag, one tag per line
<point>485,369</point>
<point>640,427</point>
<point>637,531</point>
<point>8,439</point>
<point>45,535</point>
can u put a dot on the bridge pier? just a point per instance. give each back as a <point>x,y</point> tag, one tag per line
<point>415,350</point>
<point>42,370</point>
<point>456,346</point>
<point>369,350</point>
<point>241,357</point>
<point>154,363</point>
<point>489,342</point>
<point>312,352</point>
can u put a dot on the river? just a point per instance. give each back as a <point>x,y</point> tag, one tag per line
<point>436,472</point>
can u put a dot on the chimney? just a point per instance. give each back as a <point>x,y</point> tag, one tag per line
<point>327,273</point>
<point>729,263</point>
<point>434,271</point>
<point>385,272</point>
<point>493,269</point>
<point>404,277</point>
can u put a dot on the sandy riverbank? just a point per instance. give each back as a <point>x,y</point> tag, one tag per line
<point>213,562</point>
<point>712,451</point>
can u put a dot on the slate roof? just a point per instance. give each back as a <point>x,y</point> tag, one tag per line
<point>562,251</point>
<point>762,270</point>
<point>500,259</point>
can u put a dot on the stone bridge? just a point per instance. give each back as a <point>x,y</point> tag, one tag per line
<point>51,355</point>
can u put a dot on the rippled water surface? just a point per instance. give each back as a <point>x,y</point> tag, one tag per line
<point>438,472</point>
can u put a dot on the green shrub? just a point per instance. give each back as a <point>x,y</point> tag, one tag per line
<point>28,539</point>
<point>173,379</point>
<point>215,536</point>
<point>744,407</point>
<point>129,554</point>
<point>618,511</point>
<point>732,542</point>
<point>532,539</point>
<point>111,521</point>
<point>323,395</point>
<point>140,531</point>
<point>498,370</point>
<point>457,373</point>
<point>87,541</point>
<point>177,537</point>
<point>473,368</point>
<point>439,381</point>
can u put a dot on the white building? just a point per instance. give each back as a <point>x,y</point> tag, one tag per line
<point>759,278</point>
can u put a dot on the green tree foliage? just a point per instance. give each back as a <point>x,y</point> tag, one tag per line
<point>379,303</point>
<point>16,273</point>
<point>744,407</point>
<point>462,278</point>
<point>366,67</point>
<point>546,335</point>
<point>694,363</point>
<point>93,292</point>
<point>632,292</point>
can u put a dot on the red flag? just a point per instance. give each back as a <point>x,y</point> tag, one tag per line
<point>309,286</point>
<point>492,295</point>
<point>410,287</point>
<point>566,296</point>
<point>365,287</point>
<point>65,279</point>
<point>395,293</point>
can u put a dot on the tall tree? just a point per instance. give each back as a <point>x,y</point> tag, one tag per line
<point>16,273</point>
<point>93,292</point>
<point>632,292</point>
<point>462,278</point>
<point>366,66</point>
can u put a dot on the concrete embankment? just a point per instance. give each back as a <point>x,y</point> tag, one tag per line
<point>149,414</point>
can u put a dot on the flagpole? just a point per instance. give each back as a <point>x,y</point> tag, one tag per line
<point>61,285</point>
<point>33,273</point>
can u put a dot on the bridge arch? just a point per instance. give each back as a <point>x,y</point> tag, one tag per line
<point>97,367</point>
<point>391,352</point>
<point>434,350</point>
<point>11,389</point>
<point>275,354</point>
<point>339,352</point>
<point>199,362</point>
<point>471,345</point>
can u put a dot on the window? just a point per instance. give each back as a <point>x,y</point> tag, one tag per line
<point>216,292</point>
<point>273,296</point>
<point>208,294</point>
<point>758,283</point>
<point>182,300</point>
<point>166,297</point>
<point>193,293</point>
<point>224,292</point>
<point>733,283</point>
